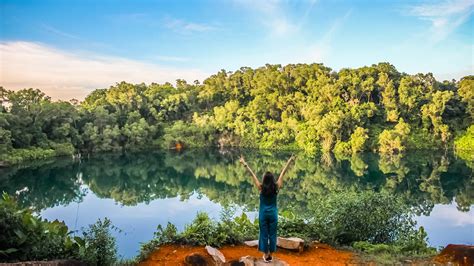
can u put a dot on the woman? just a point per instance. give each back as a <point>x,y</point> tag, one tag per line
<point>268,211</point>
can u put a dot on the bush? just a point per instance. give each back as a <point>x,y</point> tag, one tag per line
<point>25,236</point>
<point>204,231</point>
<point>371,222</point>
<point>20,155</point>
<point>99,246</point>
<point>62,149</point>
<point>464,145</point>
<point>343,218</point>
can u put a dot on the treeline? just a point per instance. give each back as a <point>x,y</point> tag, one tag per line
<point>309,107</point>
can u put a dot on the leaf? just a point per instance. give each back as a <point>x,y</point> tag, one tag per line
<point>8,251</point>
<point>80,241</point>
<point>22,237</point>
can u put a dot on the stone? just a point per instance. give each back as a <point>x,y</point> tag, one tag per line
<point>294,243</point>
<point>252,261</point>
<point>275,262</point>
<point>216,255</point>
<point>251,243</point>
<point>235,263</point>
<point>196,259</point>
<point>248,260</point>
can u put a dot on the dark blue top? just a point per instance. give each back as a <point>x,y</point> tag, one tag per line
<point>268,203</point>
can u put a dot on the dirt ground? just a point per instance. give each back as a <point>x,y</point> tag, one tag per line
<point>458,254</point>
<point>319,254</point>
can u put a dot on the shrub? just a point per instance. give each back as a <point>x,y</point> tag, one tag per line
<point>27,237</point>
<point>464,145</point>
<point>20,155</point>
<point>99,246</point>
<point>343,218</point>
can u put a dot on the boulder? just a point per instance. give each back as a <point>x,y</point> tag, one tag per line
<point>252,243</point>
<point>216,255</point>
<point>294,243</point>
<point>248,260</point>
<point>252,261</point>
<point>196,259</point>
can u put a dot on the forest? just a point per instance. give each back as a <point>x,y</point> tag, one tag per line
<point>307,107</point>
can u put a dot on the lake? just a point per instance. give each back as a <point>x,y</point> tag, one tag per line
<point>139,191</point>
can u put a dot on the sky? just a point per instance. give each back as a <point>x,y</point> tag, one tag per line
<point>69,48</point>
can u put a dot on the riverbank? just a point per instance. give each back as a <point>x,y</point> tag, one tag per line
<point>318,254</point>
<point>315,254</point>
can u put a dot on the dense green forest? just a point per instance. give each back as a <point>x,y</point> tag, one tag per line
<point>307,107</point>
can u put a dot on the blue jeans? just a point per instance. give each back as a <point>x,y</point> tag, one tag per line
<point>267,239</point>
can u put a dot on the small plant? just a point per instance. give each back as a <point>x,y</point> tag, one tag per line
<point>99,247</point>
<point>25,236</point>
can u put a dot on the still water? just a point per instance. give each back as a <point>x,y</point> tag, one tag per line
<point>139,191</point>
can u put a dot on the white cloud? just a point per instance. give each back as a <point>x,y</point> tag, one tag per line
<point>450,215</point>
<point>58,32</point>
<point>445,16</point>
<point>320,50</point>
<point>182,26</point>
<point>172,58</point>
<point>66,75</point>
<point>272,15</point>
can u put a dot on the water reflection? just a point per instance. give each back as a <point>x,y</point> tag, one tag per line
<point>422,179</point>
<point>141,190</point>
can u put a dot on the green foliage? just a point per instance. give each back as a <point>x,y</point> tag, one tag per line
<point>343,218</point>
<point>21,155</point>
<point>27,237</point>
<point>189,134</point>
<point>99,247</point>
<point>466,92</point>
<point>371,222</point>
<point>464,145</point>
<point>204,231</point>
<point>297,106</point>
<point>409,247</point>
<point>394,141</point>
<point>358,139</point>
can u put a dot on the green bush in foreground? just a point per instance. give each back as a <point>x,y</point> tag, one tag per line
<point>26,237</point>
<point>368,221</point>
<point>99,247</point>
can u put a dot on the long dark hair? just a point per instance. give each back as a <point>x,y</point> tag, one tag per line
<point>269,186</point>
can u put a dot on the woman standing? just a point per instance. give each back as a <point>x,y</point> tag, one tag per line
<point>268,211</point>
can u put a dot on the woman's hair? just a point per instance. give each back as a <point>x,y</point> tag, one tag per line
<point>269,186</point>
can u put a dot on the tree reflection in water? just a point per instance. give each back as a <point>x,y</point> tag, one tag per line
<point>421,179</point>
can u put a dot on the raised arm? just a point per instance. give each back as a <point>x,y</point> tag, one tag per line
<point>280,178</point>
<point>254,177</point>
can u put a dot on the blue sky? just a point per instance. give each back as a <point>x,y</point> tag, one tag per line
<point>68,48</point>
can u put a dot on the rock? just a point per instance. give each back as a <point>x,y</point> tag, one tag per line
<point>248,260</point>
<point>216,255</point>
<point>294,243</point>
<point>196,259</point>
<point>235,263</point>
<point>252,243</point>
<point>252,261</point>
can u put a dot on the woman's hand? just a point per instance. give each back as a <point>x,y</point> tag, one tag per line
<point>242,160</point>
<point>292,158</point>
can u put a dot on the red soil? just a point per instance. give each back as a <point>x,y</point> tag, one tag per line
<point>458,254</point>
<point>319,254</point>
